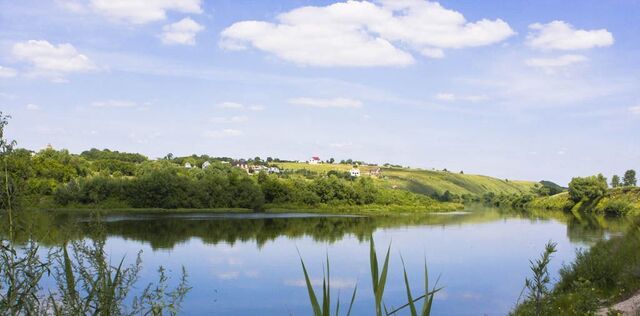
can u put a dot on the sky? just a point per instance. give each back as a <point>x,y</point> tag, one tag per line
<point>518,89</point>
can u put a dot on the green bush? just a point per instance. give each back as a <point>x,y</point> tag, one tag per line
<point>587,189</point>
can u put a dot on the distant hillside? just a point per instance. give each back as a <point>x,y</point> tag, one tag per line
<point>427,182</point>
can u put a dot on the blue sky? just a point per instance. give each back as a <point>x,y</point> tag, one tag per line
<point>517,89</point>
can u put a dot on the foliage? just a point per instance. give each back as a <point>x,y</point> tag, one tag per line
<point>538,285</point>
<point>547,188</point>
<point>512,201</point>
<point>629,179</point>
<point>560,202</point>
<point>325,309</point>
<point>615,181</point>
<point>588,189</point>
<point>21,271</point>
<point>603,275</point>
<point>106,154</point>
<point>379,281</point>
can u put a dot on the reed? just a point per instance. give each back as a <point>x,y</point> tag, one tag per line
<point>379,281</point>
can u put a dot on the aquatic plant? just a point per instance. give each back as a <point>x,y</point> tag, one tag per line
<point>379,282</point>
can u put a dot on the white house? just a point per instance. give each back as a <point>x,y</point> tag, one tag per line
<point>314,160</point>
<point>355,172</point>
<point>206,165</point>
<point>188,165</point>
<point>273,170</point>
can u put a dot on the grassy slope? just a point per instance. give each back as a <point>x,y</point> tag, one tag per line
<point>627,200</point>
<point>428,182</point>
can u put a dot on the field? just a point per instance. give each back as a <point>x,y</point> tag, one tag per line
<point>427,182</point>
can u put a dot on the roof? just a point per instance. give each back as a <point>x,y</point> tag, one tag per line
<point>315,158</point>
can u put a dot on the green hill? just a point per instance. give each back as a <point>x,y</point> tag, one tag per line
<point>427,182</point>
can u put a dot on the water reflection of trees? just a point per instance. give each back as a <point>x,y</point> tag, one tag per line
<point>164,232</point>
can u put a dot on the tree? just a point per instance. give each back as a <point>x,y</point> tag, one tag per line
<point>629,179</point>
<point>6,147</point>
<point>615,181</point>
<point>588,189</point>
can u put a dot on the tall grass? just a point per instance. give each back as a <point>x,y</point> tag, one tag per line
<point>86,283</point>
<point>379,282</point>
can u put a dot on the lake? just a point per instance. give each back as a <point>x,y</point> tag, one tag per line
<point>249,264</point>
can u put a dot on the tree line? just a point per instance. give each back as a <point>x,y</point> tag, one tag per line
<point>58,178</point>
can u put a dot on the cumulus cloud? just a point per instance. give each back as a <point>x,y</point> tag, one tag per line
<point>233,119</point>
<point>256,108</point>
<point>561,61</point>
<point>6,72</point>
<point>143,11</point>
<point>450,97</point>
<point>227,132</point>
<point>75,6</point>
<point>33,107</point>
<point>114,104</point>
<point>52,60</point>
<point>555,62</point>
<point>635,110</point>
<point>230,105</point>
<point>363,33</point>
<point>327,103</point>
<point>182,32</point>
<point>560,35</point>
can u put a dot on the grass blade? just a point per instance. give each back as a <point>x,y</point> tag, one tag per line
<point>312,294</point>
<point>353,299</point>
<point>412,306</point>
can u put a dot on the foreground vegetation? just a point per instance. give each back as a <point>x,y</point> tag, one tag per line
<point>603,275</point>
<point>379,283</point>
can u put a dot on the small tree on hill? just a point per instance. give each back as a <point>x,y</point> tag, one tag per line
<point>615,181</point>
<point>630,178</point>
<point>588,189</point>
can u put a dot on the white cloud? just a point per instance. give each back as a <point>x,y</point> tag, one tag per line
<point>561,61</point>
<point>256,108</point>
<point>450,97</point>
<point>6,72</point>
<point>341,144</point>
<point>114,104</point>
<point>144,11</point>
<point>327,103</point>
<point>233,119</point>
<point>635,110</point>
<point>50,60</point>
<point>182,32</point>
<point>228,132</point>
<point>560,35</point>
<point>230,105</point>
<point>75,6</point>
<point>362,33</point>
<point>33,107</point>
<point>7,95</point>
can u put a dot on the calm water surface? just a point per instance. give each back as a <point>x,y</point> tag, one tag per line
<point>248,264</point>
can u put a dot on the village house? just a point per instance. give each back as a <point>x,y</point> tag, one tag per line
<point>375,172</point>
<point>273,170</point>
<point>354,172</point>
<point>257,168</point>
<point>314,160</point>
<point>188,165</point>
<point>206,165</point>
<point>242,164</point>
